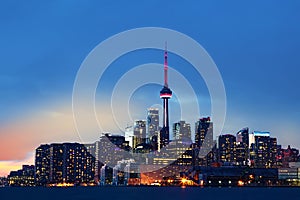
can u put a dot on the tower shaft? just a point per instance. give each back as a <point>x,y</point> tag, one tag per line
<point>166,112</point>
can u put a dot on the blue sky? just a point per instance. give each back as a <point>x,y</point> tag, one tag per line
<point>255,45</point>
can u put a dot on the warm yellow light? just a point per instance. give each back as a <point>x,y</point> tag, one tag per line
<point>64,185</point>
<point>183,180</point>
<point>201,183</point>
<point>240,183</point>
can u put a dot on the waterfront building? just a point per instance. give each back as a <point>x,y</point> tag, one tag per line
<point>23,177</point>
<point>68,163</point>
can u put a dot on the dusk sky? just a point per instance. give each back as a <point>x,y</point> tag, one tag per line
<point>255,45</point>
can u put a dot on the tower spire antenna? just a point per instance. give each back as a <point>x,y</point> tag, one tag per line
<point>166,66</point>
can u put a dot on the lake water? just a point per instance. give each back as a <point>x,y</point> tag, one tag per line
<point>150,193</point>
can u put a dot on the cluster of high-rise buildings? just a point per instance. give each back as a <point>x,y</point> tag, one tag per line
<point>147,154</point>
<point>121,159</point>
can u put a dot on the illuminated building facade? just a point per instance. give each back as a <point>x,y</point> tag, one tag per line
<point>241,155</point>
<point>92,149</point>
<point>78,164</point>
<point>153,127</point>
<point>227,148</point>
<point>106,175</point>
<point>263,150</point>
<point>139,132</point>
<point>242,147</point>
<point>204,143</point>
<point>64,163</point>
<point>23,177</point>
<point>237,176</point>
<point>3,181</point>
<point>126,172</point>
<point>56,163</point>
<point>42,167</point>
<point>204,132</point>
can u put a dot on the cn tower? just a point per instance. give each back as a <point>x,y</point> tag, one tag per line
<point>165,94</point>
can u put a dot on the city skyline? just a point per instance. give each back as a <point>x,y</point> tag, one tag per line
<point>111,161</point>
<point>140,135</point>
<point>256,59</point>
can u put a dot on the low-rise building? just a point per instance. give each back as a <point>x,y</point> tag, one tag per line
<point>23,177</point>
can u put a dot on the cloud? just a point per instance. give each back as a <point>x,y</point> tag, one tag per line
<point>19,138</point>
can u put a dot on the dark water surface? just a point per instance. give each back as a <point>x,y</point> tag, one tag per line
<point>149,193</point>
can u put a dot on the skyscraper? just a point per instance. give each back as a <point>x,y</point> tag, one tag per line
<point>42,166</point>
<point>227,148</point>
<point>204,132</point>
<point>139,133</point>
<point>165,94</point>
<point>78,164</point>
<point>56,163</point>
<point>242,136</point>
<point>152,121</point>
<point>264,150</point>
<point>93,149</point>
<point>242,146</point>
<point>153,127</point>
<point>203,148</point>
<point>129,136</point>
<point>181,130</point>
